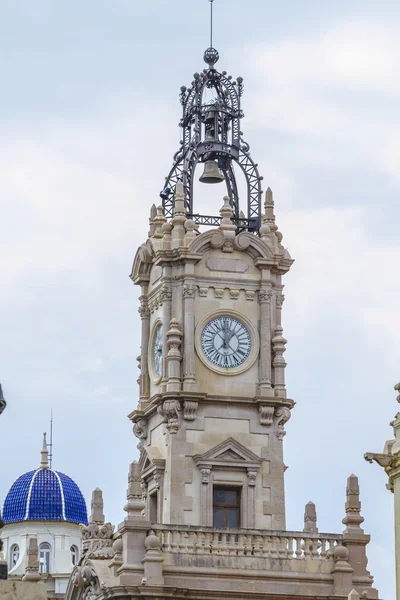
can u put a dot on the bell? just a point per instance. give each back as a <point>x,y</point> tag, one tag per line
<point>211,173</point>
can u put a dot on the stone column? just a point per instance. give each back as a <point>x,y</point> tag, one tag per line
<point>188,291</point>
<point>251,497</point>
<point>265,367</point>
<point>144,365</point>
<point>166,294</point>
<point>279,363</point>
<point>205,504</point>
<point>174,357</point>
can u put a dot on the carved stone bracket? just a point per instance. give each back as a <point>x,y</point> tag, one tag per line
<point>170,411</point>
<point>282,416</point>
<point>190,409</point>
<point>205,473</point>
<point>140,429</point>
<point>251,477</point>
<point>266,414</point>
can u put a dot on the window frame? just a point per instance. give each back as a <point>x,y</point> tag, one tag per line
<point>45,549</point>
<point>14,550</point>
<point>225,506</point>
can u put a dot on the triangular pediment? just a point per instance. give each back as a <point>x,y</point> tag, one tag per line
<point>144,460</point>
<point>229,451</point>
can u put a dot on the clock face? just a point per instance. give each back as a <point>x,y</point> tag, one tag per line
<point>158,350</point>
<point>226,342</point>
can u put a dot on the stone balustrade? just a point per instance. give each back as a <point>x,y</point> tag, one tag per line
<point>177,539</point>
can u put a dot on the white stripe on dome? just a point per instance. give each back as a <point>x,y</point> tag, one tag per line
<point>62,493</point>
<point>28,501</point>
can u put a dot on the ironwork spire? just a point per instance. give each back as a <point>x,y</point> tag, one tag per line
<point>211,134</point>
<point>211,23</point>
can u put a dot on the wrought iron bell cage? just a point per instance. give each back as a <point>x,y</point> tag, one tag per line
<point>211,132</point>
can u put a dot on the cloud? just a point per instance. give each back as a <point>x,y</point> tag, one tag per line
<point>337,91</point>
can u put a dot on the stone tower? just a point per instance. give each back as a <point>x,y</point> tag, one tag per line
<point>205,502</point>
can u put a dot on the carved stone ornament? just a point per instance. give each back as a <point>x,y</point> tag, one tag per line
<point>280,298</point>
<point>170,410</point>
<point>203,291</point>
<point>85,578</point>
<point>250,295</point>
<point>234,294</point>
<point>205,474</point>
<point>166,293</point>
<point>190,409</point>
<point>251,477</point>
<point>97,540</point>
<point>218,292</point>
<point>143,309</point>
<point>140,429</point>
<point>266,414</point>
<point>383,460</point>
<point>188,291</point>
<point>264,296</point>
<point>157,480</point>
<point>282,415</point>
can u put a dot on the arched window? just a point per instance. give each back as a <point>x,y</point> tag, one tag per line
<point>44,557</point>
<point>74,555</point>
<point>14,555</point>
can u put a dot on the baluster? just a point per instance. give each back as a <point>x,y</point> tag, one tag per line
<point>232,544</point>
<point>275,545</point>
<point>165,542</point>
<point>332,544</point>
<point>223,545</point>
<point>249,545</point>
<point>315,544</point>
<point>257,540</point>
<point>183,538</point>
<point>307,548</point>
<point>323,548</point>
<point>289,551</point>
<point>199,549</point>
<point>282,548</point>
<point>191,542</point>
<point>266,546</point>
<point>241,544</point>
<point>207,543</point>
<point>298,548</point>
<point>174,542</point>
<point>215,544</point>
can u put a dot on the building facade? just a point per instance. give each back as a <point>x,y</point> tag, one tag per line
<point>206,501</point>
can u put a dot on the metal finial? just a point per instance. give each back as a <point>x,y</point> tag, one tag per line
<point>211,23</point>
<point>51,439</point>
<point>44,463</point>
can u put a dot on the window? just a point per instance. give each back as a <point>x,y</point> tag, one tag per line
<point>226,507</point>
<point>44,558</point>
<point>74,555</point>
<point>14,555</point>
<point>153,506</point>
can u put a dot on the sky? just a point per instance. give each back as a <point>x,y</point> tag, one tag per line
<point>88,127</point>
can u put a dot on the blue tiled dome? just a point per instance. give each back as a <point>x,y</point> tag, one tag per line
<point>44,495</point>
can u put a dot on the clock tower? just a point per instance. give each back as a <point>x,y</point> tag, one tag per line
<point>213,401</point>
<point>205,502</point>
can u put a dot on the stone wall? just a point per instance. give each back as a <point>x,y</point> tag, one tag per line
<point>21,590</point>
